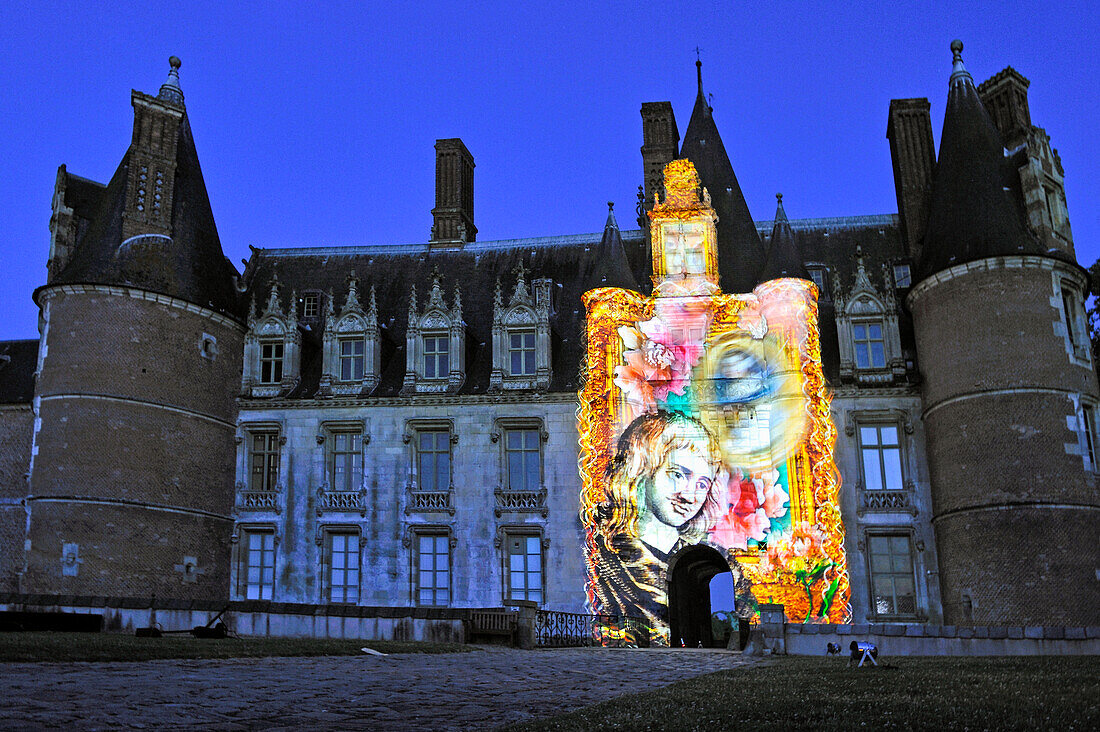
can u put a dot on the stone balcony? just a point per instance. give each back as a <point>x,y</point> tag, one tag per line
<point>511,501</point>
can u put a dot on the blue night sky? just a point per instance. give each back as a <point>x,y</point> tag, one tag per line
<point>315,122</point>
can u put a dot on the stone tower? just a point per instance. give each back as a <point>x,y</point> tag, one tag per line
<point>132,468</point>
<point>1010,394</point>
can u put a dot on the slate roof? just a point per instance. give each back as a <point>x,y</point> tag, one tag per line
<point>18,360</point>
<point>783,258</point>
<point>574,263</point>
<point>976,208</point>
<point>740,254</point>
<point>194,267</point>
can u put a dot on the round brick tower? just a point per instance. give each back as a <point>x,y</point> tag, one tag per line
<point>1009,391</point>
<point>132,471</point>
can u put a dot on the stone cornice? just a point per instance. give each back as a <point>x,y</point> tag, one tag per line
<point>48,291</point>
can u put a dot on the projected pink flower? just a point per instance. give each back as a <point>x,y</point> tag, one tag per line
<point>746,517</point>
<point>659,358</point>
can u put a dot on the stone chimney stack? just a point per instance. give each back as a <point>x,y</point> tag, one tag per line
<point>1005,98</point>
<point>453,215</point>
<point>913,154</point>
<point>151,175</point>
<point>660,144</point>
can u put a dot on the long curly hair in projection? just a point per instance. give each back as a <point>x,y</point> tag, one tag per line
<point>642,450</point>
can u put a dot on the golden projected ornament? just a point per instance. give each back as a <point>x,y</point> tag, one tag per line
<point>704,421</point>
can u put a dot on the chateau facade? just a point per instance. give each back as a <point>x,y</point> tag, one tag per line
<point>395,425</point>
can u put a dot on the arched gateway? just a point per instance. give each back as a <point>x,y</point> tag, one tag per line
<point>689,574</point>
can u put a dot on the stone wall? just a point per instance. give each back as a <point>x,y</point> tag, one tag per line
<point>944,640</point>
<point>16,427</point>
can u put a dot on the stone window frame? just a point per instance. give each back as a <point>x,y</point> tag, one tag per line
<point>1069,301</point>
<point>915,546</point>
<point>505,532</point>
<point>437,320</point>
<point>865,304</point>
<point>522,352</point>
<point>352,323</point>
<point>885,500</point>
<point>325,534</point>
<point>1088,433</point>
<point>241,557</point>
<point>436,354</point>
<point>275,359</point>
<point>246,431</point>
<point>411,541</point>
<point>273,326</point>
<point>208,347</point>
<point>869,340</point>
<point>521,501</point>
<point>527,311</point>
<point>415,492</point>
<point>326,441</point>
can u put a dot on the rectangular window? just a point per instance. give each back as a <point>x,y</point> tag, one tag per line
<point>271,363</point>
<point>1090,435</point>
<point>525,568</point>
<point>437,351</point>
<point>870,351</point>
<point>257,569</point>
<point>311,305</point>
<point>521,353</point>
<point>347,461</point>
<point>881,455</point>
<point>818,276</point>
<point>892,586</point>
<point>342,565</point>
<point>1070,312</point>
<point>521,450</point>
<point>351,359</point>
<point>264,459</point>
<point>902,276</point>
<point>433,453</point>
<point>433,575</point>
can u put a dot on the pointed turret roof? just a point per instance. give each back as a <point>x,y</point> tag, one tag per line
<point>783,257</point>
<point>187,262</point>
<point>611,267</point>
<point>972,214</point>
<point>740,253</point>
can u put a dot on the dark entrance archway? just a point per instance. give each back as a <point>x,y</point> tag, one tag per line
<point>689,595</point>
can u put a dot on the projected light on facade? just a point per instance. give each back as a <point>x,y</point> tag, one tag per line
<point>704,419</point>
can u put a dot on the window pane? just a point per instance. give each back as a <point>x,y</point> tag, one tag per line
<point>860,332</point>
<point>861,356</point>
<point>876,331</point>
<point>889,435</point>
<point>534,580</point>
<point>517,363</point>
<point>891,460</point>
<point>530,440</point>
<point>516,563</point>
<point>878,356</point>
<point>515,439</point>
<point>534,547</point>
<point>532,472</point>
<point>529,362</point>
<point>442,471</point>
<point>444,364</point>
<point>868,435</point>
<point>517,582</point>
<point>872,471</point>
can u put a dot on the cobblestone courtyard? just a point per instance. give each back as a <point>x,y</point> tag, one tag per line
<point>476,690</point>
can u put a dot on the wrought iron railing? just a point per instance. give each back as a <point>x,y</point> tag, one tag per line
<point>555,629</point>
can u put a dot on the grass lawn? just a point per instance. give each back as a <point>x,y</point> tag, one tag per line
<point>1060,693</point>
<point>116,647</point>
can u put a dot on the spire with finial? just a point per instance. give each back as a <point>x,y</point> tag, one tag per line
<point>352,300</point>
<point>783,259</point>
<point>959,74</point>
<point>972,213</point>
<point>274,307</point>
<point>611,222</point>
<point>699,77</point>
<point>170,90</point>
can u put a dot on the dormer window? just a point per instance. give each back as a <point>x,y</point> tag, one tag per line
<point>351,363</point>
<point>271,362</point>
<point>311,305</point>
<point>437,352</point>
<point>521,336</point>
<point>902,276</point>
<point>867,329</point>
<point>271,349</point>
<point>435,343</point>
<point>521,352</point>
